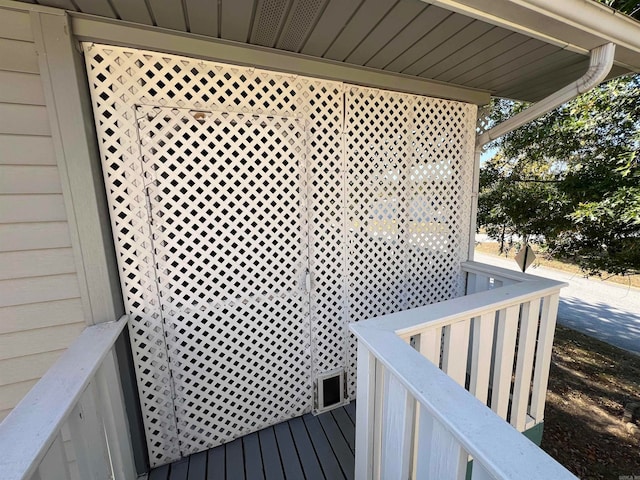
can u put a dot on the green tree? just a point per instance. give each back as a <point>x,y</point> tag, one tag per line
<point>630,7</point>
<point>577,171</point>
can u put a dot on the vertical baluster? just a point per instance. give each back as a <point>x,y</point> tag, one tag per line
<point>505,350</point>
<point>543,355</point>
<point>88,437</point>
<point>430,344</point>
<point>440,455</point>
<point>471,283</point>
<point>524,363</point>
<point>115,418</point>
<point>454,355</point>
<point>397,430</point>
<point>478,472</point>
<point>380,379</point>
<point>54,464</point>
<point>482,283</point>
<point>365,413</point>
<point>481,355</point>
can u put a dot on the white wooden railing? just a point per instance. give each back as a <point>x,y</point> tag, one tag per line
<point>415,420</point>
<point>72,424</point>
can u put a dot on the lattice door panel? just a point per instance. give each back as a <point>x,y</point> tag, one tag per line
<point>230,236</point>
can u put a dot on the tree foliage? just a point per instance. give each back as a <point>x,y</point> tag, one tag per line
<point>571,179</point>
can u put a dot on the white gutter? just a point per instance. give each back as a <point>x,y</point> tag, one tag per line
<point>599,67</point>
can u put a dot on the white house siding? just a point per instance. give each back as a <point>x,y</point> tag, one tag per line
<point>40,308</point>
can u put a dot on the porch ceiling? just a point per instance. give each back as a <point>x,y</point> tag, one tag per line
<point>470,43</point>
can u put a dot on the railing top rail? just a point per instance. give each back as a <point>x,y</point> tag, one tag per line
<point>504,452</point>
<point>30,428</point>
<point>411,322</point>
<point>492,270</point>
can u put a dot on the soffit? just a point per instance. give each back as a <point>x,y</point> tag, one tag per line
<point>410,37</point>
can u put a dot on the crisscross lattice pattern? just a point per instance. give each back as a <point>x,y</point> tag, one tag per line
<point>229,233</point>
<point>225,184</point>
<point>407,213</point>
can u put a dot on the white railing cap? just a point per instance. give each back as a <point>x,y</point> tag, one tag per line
<point>503,451</point>
<point>28,431</point>
<point>410,322</point>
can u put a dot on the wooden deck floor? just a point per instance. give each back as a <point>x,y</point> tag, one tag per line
<point>308,447</point>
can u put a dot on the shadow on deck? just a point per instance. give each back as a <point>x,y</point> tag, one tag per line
<point>307,447</point>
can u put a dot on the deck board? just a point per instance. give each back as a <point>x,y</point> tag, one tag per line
<point>215,464</point>
<point>347,427</point>
<point>322,447</point>
<point>180,469</point>
<point>339,444</point>
<point>308,458</point>
<point>308,447</point>
<point>288,452</point>
<point>197,466</point>
<point>270,455</point>
<point>235,459</point>
<point>252,457</point>
<point>351,411</point>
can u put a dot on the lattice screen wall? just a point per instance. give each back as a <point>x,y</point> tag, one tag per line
<point>226,184</point>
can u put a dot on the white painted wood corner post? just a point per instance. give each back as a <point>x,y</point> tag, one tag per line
<point>114,416</point>
<point>365,413</point>
<point>397,429</point>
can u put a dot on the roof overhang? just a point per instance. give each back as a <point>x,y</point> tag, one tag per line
<point>575,25</point>
<point>460,49</point>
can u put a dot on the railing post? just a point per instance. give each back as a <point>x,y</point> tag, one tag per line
<point>397,423</point>
<point>441,456</point>
<point>367,394</point>
<point>88,437</point>
<point>543,355</point>
<point>54,465</point>
<point>115,419</point>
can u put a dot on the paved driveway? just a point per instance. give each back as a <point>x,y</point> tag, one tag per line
<point>604,310</point>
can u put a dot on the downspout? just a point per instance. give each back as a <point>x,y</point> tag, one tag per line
<point>599,67</point>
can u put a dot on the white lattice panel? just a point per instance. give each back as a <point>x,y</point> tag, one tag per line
<point>122,79</point>
<point>384,182</point>
<point>230,236</point>
<point>409,174</point>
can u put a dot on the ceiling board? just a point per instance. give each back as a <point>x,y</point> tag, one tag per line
<point>96,7</point>
<point>168,14</point>
<point>460,39</point>
<point>365,19</point>
<point>332,21</point>
<point>417,29</point>
<point>430,41</point>
<point>544,66</point>
<point>133,11</point>
<point>203,16</point>
<point>235,19</point>
<point>390,26</point>
<point>411,37</point>
<point>516,63</point>
<point>483,57</point>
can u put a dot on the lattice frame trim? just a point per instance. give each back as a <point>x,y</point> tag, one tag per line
<point>124,79</point>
